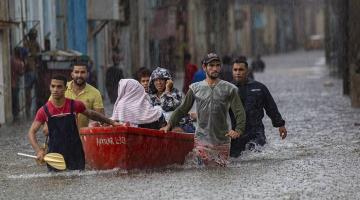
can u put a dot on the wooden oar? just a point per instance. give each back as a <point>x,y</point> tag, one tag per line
<point>55,160</point>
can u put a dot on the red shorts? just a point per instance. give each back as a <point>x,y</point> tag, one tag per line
<point>211,155</point>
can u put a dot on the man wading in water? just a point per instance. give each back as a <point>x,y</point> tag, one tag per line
<point>60,114</point>
<point>256,98</point>
<point>213,99</point>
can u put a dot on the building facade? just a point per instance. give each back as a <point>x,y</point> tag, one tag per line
<point>151,33</point>
<point>343,45</point>
<point>5,73</point>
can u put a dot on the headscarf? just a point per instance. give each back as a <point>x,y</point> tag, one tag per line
<point>133,104</point>
<point>158,73</point>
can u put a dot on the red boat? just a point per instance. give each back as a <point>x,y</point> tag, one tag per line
<point>134,148</point>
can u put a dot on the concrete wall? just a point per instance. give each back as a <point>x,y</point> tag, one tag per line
<point>197,30</point>
<point>239,29</point>
<point>5,73</point>
<point>49,10</point>
<point>287,26</point>
<point>245,32</point>
<point>270,33</point>
<point>354,51</point>
<point>343,44</point>
<point>134,32</point>
<point>34,18</point>
<point>119,43</point>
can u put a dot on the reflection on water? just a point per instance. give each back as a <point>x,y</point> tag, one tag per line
<point>318,160</point>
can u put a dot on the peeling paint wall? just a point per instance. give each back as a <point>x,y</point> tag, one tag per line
<point>5,73</point>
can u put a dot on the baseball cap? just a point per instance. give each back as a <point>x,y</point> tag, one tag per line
<point>211,57</point>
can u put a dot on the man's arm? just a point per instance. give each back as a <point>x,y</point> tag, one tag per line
<point>180,111</point>
<point>33,141</point>
<point>271,109</point>
<point>98,117</point>
<point>100,110</point>
<point>238,111</point>
<point>274,114</point>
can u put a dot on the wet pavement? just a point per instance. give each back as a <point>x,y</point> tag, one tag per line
<point>319,159</point>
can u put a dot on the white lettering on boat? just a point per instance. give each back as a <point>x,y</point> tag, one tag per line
<point>120,140</point>
<point>111,141</point>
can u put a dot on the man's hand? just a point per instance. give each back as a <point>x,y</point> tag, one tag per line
<point>119,124</point>
<point>283,132</point>
<point>40,154</point>
<point>169,85</point>
<point>115,123</point>
<point>193,116</point>
<point>166,128</point>
<point>233,134</point>
<point>94,124</point>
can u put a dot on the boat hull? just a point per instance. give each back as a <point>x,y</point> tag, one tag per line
<point>134,148</point>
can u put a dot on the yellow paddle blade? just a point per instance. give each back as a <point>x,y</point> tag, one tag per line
<point>58,166</point>
<point>55,160</point>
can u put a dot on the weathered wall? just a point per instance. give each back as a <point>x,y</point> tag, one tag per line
<point>354,51</point>
<point>5,74</point>
<point>134,32</point>
<point>217,25</point>
<point>197,30</point>
<point>343,44</point>
<point>270,33</point>
<point>239,29</point>
<point>336,37</point>
<point>245,31</point>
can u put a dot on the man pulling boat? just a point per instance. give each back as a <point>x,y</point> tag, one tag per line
<point>213,99</point>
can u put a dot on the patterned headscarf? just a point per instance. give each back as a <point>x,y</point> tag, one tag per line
<point>158,73</point>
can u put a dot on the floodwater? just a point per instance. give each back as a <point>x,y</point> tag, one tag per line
<point>319,159</point>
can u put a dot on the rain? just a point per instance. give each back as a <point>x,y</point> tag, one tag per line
<point>311,55</point>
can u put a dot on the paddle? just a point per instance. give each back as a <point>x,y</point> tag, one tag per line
<point>55,160</point>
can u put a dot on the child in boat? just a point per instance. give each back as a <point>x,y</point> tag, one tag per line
<point>133,106</point>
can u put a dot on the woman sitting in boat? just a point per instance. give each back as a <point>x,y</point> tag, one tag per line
<point>163,94</point>
<point>133,106</point>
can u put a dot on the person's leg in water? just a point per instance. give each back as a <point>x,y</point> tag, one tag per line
<point>238,146</point>
<point>257,140</point>
<point>208,155</point>
<point>253,139</point>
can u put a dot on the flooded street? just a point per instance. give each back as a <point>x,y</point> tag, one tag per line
<point>319,159</point>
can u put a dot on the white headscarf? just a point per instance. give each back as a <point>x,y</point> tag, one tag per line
<point>133,104</point>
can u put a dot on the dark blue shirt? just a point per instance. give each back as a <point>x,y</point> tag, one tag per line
<point>256,98</point>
